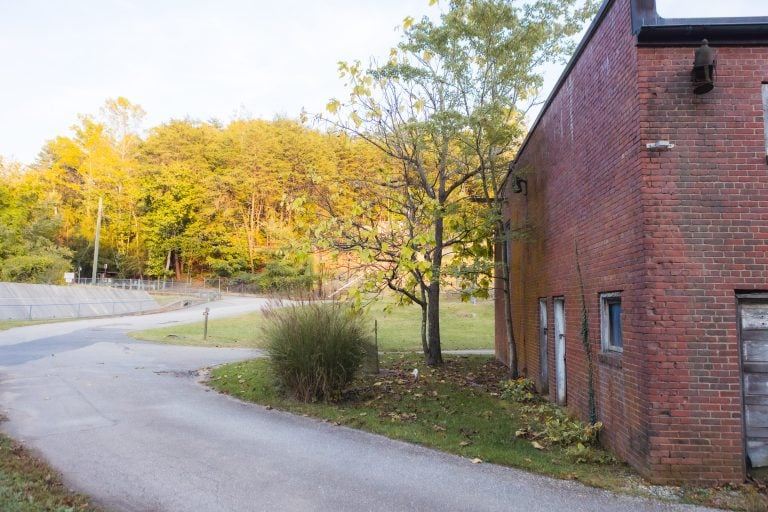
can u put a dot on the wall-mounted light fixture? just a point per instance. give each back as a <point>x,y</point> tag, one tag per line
<point>517,181</point>
<point>703,74</point>
<point>660,145</point>
<point>517,185</point>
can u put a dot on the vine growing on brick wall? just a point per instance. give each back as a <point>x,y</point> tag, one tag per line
<point>585,342</point>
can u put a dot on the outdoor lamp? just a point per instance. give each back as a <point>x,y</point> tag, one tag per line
<point>517,181</point>
<point>703,74</point>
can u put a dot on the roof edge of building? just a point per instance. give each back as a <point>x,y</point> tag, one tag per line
<point>604,8</point>
<point>654,30</point>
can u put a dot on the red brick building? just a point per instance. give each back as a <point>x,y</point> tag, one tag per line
<point>647,205</point>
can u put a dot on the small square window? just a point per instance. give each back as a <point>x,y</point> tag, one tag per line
<point>765,117</point>
<point>610,322</point>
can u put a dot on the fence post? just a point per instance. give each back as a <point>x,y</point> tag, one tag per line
<point>205,328</point>
<point>30,312</point>
<point>376,344</point>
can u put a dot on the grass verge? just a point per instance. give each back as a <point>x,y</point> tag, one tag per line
<point>457,409</point>
<point>10,324</point>
<point>454,408</point>
<point>464,326</point>
<point>27,484</point>
<point>235,332</point>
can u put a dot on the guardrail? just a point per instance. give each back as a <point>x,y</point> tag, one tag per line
<point>49,311</point>
<point>209,288</point>
<point>134,284</point>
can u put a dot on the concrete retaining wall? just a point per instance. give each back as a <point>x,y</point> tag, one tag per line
<point>38,302</point>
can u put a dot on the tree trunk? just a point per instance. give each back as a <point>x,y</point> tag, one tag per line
<point>507,290</point>
<point>177,265</point>
<point>424,323</point>
<point>252,233</point>
<point>435,354</point>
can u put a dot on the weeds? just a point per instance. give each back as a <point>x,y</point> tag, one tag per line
<point>518,390</point>
<point>547,424</point>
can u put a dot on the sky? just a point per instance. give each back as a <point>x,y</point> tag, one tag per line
<point>200,59</point>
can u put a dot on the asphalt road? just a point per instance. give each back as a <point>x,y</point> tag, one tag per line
<point>129,424</point>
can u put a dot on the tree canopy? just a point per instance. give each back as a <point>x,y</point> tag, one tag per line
<point>404,181</point>
<point>447,109</point>
<point>190,198</point>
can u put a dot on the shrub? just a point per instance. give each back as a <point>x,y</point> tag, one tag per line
<point>550,424</point>
<point>585,454</point>
<point>315,348</point>
<point>520,390</point>
<point>281,277</point>
<point>34,268</point>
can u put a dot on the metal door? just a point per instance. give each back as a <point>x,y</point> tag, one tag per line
<point>560,377</point>
<point>753,330</point>
<point>543,350</point>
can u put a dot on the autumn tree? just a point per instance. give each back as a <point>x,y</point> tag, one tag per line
<point>176,174</point>
<point>30,248</point>
<point>98,161</point>
<point>447,110</point>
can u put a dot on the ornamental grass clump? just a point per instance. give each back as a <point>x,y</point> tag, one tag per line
<point>315,349</point>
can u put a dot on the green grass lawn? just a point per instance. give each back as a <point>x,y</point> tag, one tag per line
<point>233,332</point>
<point>29,485</point>
<point>463,325</point>
<point>454,408</point>
<point>10,324</point>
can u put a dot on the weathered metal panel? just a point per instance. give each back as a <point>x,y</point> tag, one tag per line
<point>757,416</point>
<point>756,400</point>
<point>754,341</point>
<point>756,368</point>
<point>755,349</point>
<point>757,449</point>
<point>757,433</point>
<point>755,383</point>
<point>559,306</point>
<point>754,317</point>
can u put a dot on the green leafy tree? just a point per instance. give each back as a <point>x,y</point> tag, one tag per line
<point>447,110</point>
<point>176,173</point>
<point>30,249</point>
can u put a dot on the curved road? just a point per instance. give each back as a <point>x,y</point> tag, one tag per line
<point>129,424</point>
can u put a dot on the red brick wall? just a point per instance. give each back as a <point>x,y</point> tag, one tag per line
<point>677,233</point>
<point>584,179</point>
<point>705,208</point>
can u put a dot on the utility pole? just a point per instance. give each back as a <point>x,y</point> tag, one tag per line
<point>96,245</point>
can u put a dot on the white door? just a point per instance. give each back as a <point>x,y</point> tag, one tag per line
<point>559,305</point>
<point>543,349</point>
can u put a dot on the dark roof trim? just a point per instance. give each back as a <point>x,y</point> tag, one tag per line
<point>719,31</point>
